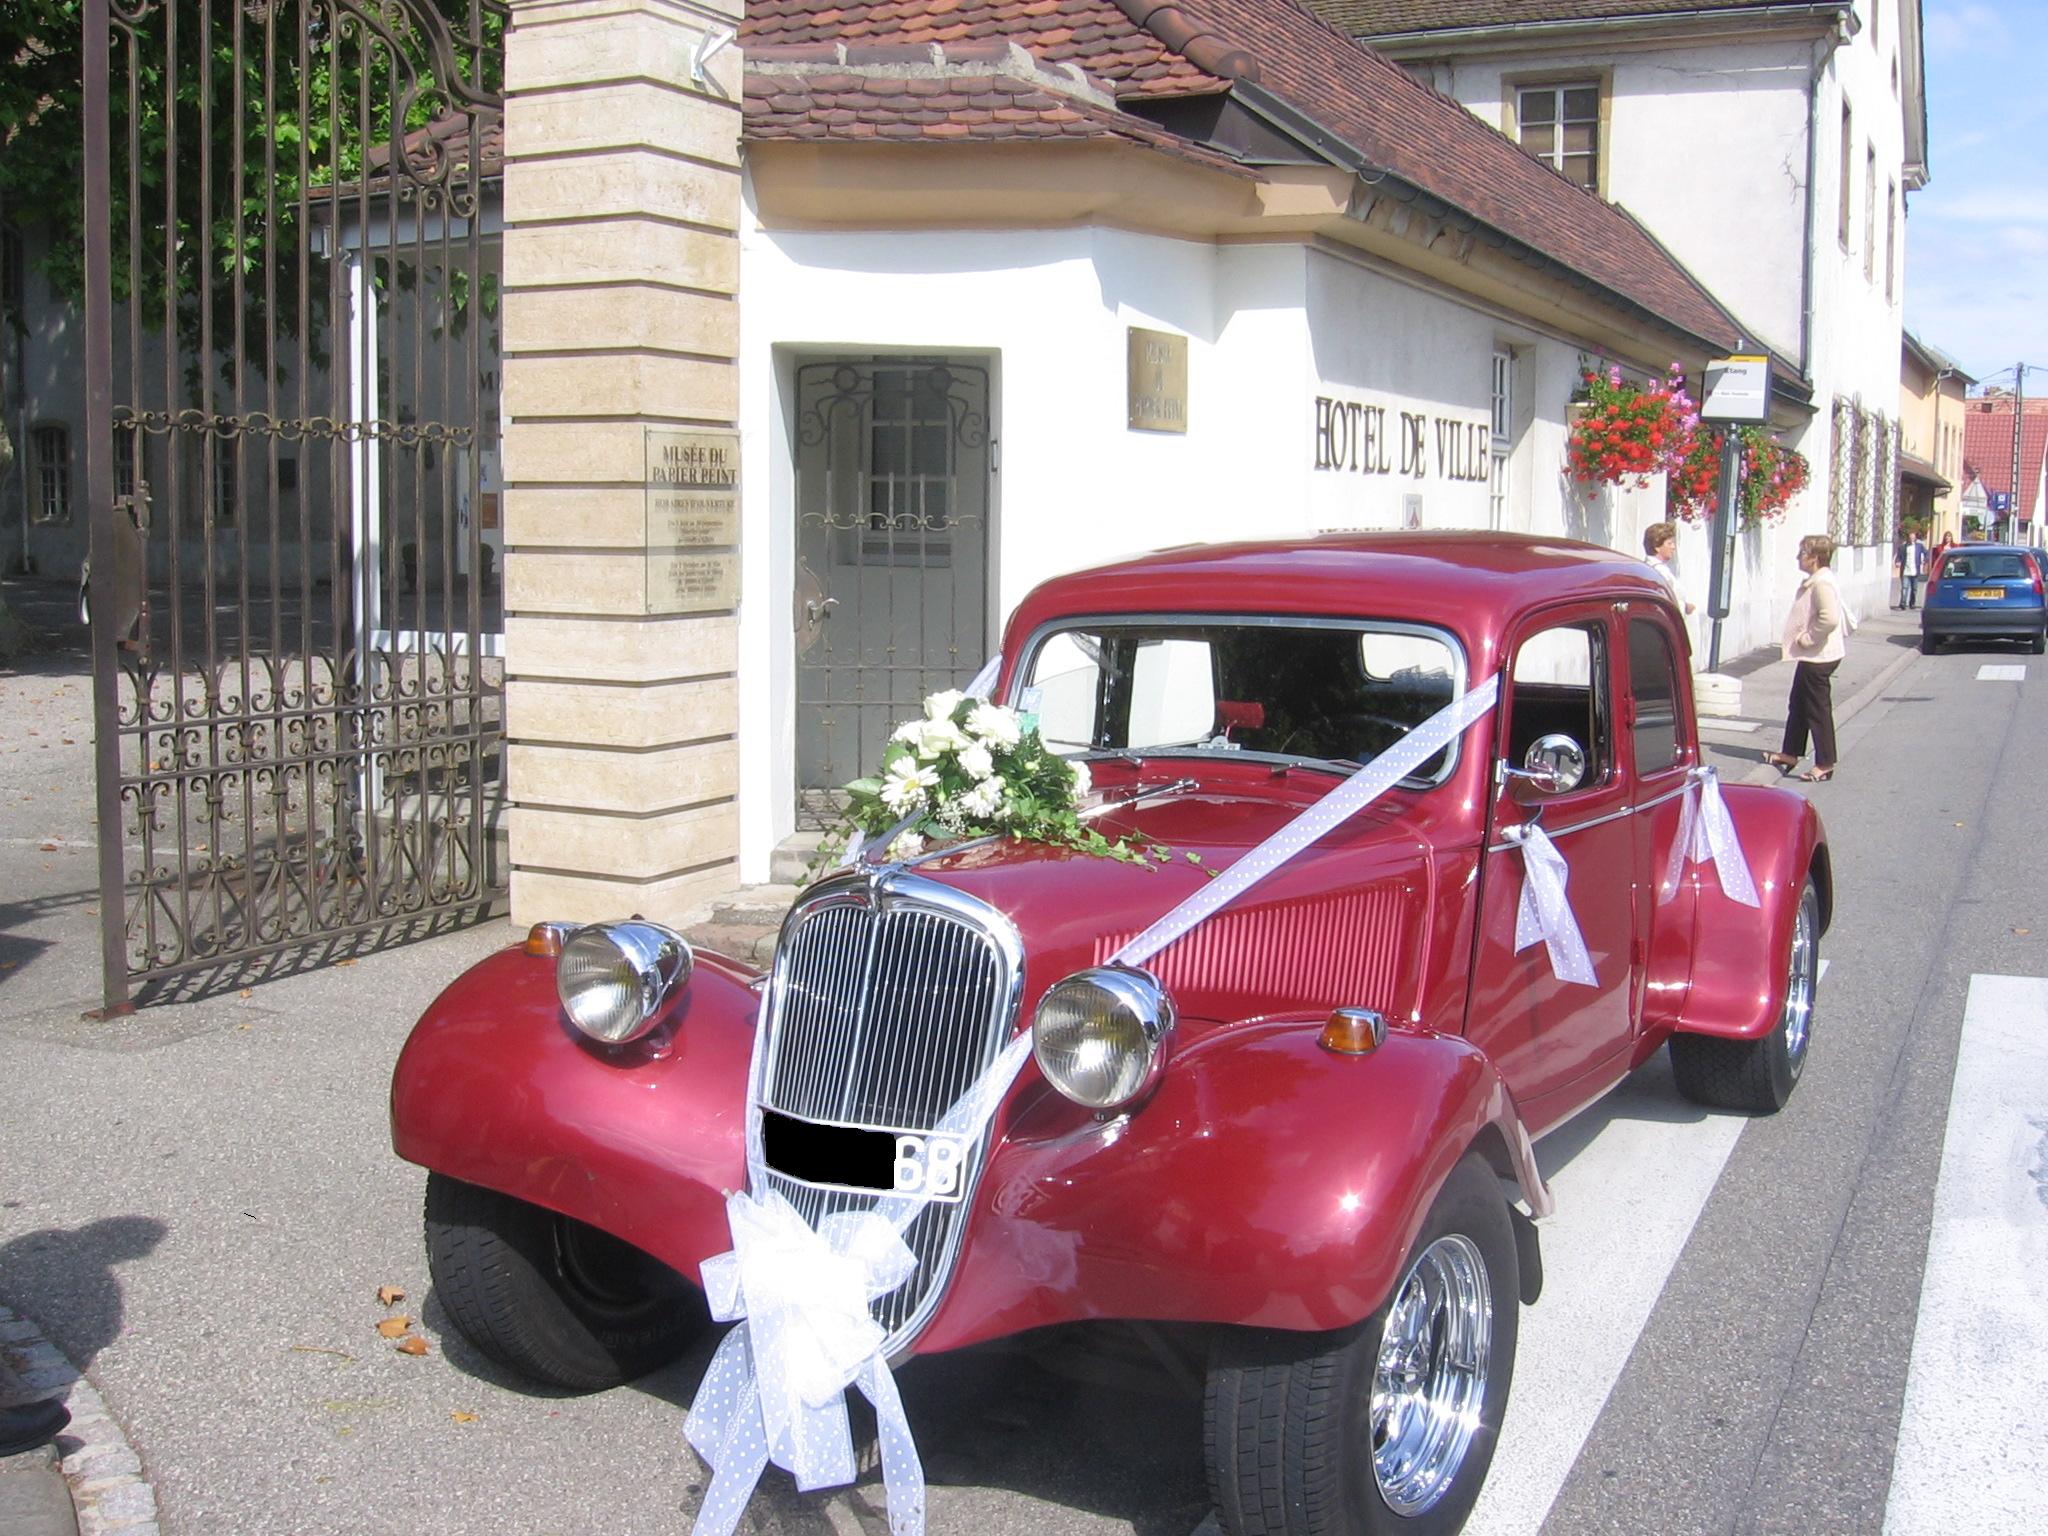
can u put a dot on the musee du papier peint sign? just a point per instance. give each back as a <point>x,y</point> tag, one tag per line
<point>1356,437</point>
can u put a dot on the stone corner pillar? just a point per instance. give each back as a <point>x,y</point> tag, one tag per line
<point>621,401</point>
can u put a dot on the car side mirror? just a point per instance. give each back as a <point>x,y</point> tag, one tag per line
<point>1553,765</point>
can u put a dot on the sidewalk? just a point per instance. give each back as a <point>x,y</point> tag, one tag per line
<point>1884,644</point>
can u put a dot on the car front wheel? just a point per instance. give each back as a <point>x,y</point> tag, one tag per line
<point>549,1297</point>
<point>1758,1076</point>
<point>1389,1426</point>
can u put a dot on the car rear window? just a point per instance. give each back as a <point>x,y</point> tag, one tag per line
<point>1985,568</point>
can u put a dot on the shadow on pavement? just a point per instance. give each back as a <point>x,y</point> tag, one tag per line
<point>64,1278</point>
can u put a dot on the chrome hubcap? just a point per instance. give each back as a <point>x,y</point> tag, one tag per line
<point>1430,1381</point>
<point>1799,983</point>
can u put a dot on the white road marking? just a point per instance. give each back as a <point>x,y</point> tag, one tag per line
<point>1973,1444</point>
<point>1626,1204</point>
<point>2002,672</point>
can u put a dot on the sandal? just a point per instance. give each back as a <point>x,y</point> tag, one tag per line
<point>1816,775</point>
<point>1781,761</point>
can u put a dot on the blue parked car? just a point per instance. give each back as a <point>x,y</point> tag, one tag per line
<point>1991,591</point>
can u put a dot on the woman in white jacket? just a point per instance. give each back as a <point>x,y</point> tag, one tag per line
<point>1814,632</point>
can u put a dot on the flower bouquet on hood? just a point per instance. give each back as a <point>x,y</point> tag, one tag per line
<point>968,768</point>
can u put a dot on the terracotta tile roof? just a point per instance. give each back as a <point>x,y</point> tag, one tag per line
<point>1391,18</point>
<point>1987,451</point>
<point>953,93</point>
<point>1273,51</point>
<point>1093,34</point>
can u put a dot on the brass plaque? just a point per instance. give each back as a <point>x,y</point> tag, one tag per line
<point>693,520</point>
<point>1157,381</point>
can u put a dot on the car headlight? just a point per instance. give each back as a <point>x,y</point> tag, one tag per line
<point>1100,1036</point>
<point>614,977</point>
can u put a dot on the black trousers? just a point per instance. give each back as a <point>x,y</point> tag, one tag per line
<point>1812,708</point>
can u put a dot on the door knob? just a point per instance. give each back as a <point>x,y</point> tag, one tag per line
<point>817,608</point>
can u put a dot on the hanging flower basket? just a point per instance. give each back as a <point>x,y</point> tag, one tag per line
<point>1771,475</point>
<point>1617,430</point>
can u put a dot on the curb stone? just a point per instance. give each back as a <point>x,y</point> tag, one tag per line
<point>108,1490</point>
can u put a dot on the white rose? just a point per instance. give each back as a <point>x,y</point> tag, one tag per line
<point>997,726</point>
<point>935,738</point>
<point>907,846</point>
<point>907,785</point>
<point>1083,780</point>
<point>940,706</point>
<point>976,762</point>
<point>909,730</point>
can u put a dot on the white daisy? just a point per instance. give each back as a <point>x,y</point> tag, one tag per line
<point>908,785</point>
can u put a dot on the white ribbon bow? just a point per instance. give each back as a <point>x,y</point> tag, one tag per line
<point>1545,912</point>
<point>1706,830</point>
<point>776,1389</point>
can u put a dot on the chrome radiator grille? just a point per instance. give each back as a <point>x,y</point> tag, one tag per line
<point>891,997</point>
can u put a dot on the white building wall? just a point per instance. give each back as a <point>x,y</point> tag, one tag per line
<point>1271,329</point>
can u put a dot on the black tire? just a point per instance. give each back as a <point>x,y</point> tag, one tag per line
<point>549,1297</point>
<point>2037,643</point>
<point>1289,1431</point>
<point>1757,1076</point>
<point>1929,644</point>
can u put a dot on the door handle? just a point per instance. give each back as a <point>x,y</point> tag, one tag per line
<point>818,608</point>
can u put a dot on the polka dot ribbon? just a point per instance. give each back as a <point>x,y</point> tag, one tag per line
<point>1707,831</point>
<point>1544,913</point>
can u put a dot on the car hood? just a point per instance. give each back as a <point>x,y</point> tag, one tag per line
<point>1339,923</point>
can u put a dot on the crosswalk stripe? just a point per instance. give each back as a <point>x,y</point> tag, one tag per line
<point>2002,672</point>
<point>1627,1200</point>
<point>1973,1443</point>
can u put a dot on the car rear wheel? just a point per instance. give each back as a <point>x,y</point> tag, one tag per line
<point>2037,643</point>
<point>1758,1076</point>
<point>1389,1426</point>
<point>1929,644</point>
<point>549,1297</point>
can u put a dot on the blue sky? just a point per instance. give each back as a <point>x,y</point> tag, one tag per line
<point>1977,234</point>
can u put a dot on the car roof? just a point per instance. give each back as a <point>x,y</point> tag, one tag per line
<point>1472,583</point>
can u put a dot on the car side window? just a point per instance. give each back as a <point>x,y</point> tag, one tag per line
<point>1653,687</point>
<point>1559,687</point>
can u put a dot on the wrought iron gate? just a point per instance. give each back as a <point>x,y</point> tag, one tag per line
<point>894,467</point>
<point>291,269</point>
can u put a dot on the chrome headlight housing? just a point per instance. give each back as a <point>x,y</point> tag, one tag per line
<point>1100,1035</point>
<point>614,977</point>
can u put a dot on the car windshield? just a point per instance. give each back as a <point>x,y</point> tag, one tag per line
<point>1984,567</point>
<point>1314,691</point>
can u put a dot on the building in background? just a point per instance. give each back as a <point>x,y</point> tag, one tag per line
<point>1932,399</point>
<point>1795,218</point>
<point>1988,461</point>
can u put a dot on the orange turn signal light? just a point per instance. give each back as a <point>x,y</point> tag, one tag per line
<point>1354,1032</point>
<point>545,939</point>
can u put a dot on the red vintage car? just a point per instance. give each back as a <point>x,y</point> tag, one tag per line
<point>1301,1133</point>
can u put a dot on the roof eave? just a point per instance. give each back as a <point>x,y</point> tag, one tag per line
<point>1812,16</point>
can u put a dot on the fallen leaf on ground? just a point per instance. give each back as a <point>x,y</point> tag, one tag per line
<point>246,992</point>
<point>389,1295</point>
<point>318,1349</point>
<point>351,960</point>
<point>392,1327</point>
<point>2023,932</point>
<point>47,848</point>
<point>460,1417</point>
<point>412,1344</point>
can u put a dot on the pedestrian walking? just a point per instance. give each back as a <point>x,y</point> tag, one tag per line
<point>1815,632</point>
<point>1912,571</point>
<point>1660,548</point>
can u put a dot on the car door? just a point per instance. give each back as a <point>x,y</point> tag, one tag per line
<point>1662,748</point>
<point>1558,1042</point>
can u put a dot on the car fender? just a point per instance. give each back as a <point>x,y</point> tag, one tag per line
<point>1268,1182</point>
<point>495,1087</point>
<point>1738,965</point>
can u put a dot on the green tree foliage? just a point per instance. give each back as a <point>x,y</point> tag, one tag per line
<point>250,120</point>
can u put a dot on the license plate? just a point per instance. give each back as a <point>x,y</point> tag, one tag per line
<point>869,1159</point>
<point>1984,594</point>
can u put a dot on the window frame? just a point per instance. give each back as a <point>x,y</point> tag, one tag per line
<point>50,471</point>
<point>1603,756</point>
<point>1845,216</point>
<point>1657,622</point>
<point>1600,81</point>
<point>1870,212</point>
<point>1501,421</point>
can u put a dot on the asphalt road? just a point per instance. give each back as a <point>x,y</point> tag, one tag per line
<point>198,1205</point>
